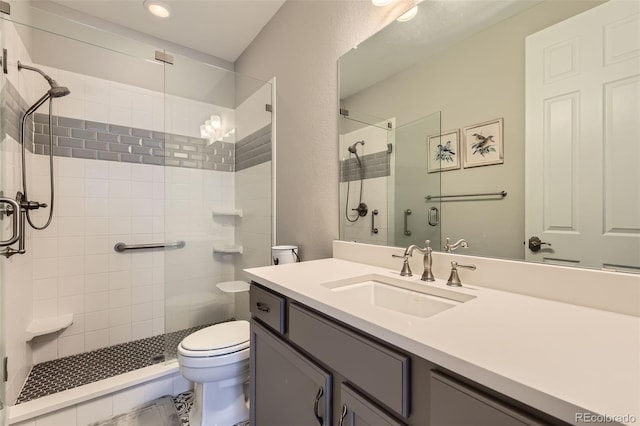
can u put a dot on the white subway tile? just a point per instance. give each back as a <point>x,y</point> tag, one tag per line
<point>71,226</point>
<point>96,339</point>
<point>94,410</point>
<point>45,247</point>
<point>44,348</point>
<point>119,280</point>
<point>142,207</point>
<point>70,266</point>
<point>120,171</point>
<point>142,225</point>
<point>96,169</point>
<point>142,312</point>
<point>71,107</point>
<point>96,263</point>
<point>70,206</point>
<point>94,207</point>
<point>70,167</point>
<point>141,294</point>
<point>97,320</point>
<point>142,119</point>
<point>71,304</point>
<point>158,326</point>
<point>143,173</point>
<point>71,246</point>
<point>119,262</point>
<point>96,111</point>
<point>96,89</point>
<point>119,225</point>
<point>45,308</point>
<point>120,116</point>
<point>70,345</point>
<point>97,187</point>
<point>96,302</point>
<point>64,417</point>
<point>97,226</point>
<point>120,334</point>
<point>77,327</point>
<point>120,95</point>
<point>70,186</point>
<point>71,286</point>
<point>120,207</point>
<point>45,268</point>
<point>96,282</point>
<point>141,330</point>
<point>45,289</point>
<point>120,189</point>
<point>97,245</point>
<point>120,298</point>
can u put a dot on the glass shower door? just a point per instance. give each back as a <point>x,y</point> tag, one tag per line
<point>217,180</point>
<point>3,220</point>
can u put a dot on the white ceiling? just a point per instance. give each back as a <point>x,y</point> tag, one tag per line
<point>221,28</point>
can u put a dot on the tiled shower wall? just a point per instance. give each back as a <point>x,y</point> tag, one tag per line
<point>71,266</point>
<point>376,162</point>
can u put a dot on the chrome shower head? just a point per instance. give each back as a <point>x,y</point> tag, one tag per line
<point>354,148</point>
<point>56,90</point>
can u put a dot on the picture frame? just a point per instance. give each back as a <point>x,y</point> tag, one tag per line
<point>443,152</point>
<point>483,144</point>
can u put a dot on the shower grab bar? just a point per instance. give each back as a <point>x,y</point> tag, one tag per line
<point>501,194</point>
<point>407,213</point>
<point>121,247</point>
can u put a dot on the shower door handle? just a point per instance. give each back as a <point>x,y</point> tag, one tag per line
<point>15,212</point>
<point>433,216</point>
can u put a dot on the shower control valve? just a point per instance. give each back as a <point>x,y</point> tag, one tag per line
<point>362,209</point>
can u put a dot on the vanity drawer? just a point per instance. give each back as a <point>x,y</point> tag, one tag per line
<point>268,307</point>
<point>380,371</point>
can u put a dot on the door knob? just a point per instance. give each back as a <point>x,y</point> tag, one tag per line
<point>536,244</point>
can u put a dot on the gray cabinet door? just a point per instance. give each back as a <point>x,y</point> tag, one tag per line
<point>454,404</point>
<point>355,410</point>
<point>288,389</point>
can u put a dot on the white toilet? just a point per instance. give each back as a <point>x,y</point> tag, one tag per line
<point>216,359</point>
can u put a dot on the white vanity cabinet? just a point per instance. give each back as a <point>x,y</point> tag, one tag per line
<point>310,369</point>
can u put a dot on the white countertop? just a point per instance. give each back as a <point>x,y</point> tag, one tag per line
<point>560,358</point>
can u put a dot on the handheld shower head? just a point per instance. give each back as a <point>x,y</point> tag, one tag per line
<point>354,148</point>
<point>56,90</point>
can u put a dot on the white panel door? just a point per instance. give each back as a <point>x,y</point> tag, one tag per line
<point>583,139</point>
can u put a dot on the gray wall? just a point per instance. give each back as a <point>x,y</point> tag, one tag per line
<point>300,47</point>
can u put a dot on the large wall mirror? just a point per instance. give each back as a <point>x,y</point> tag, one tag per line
<point>512,124</point>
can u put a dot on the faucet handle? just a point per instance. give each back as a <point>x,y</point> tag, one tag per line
<point>406,270</point>
<point>454,278</point>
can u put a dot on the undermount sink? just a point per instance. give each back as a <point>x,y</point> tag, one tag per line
<point>398,295</point>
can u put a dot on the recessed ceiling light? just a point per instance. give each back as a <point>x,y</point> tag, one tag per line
<point>382,2</point>
<point>158,8</point>
<point>409,14</point>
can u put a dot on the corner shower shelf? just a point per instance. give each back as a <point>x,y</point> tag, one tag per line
<point>42,326</point>
<point>233,286</point>
<point>227,212</point>
<point>228,249</point>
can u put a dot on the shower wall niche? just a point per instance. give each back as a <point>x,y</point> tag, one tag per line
<point>133,165</point>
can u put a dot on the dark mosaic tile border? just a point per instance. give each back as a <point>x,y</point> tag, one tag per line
<point>375,165</point>
<point>72,371</point>
<point>254,149</point>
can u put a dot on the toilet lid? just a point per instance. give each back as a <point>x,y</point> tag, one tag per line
<point>219,336</point>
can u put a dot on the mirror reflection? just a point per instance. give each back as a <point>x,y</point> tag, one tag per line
<point>538,102</point>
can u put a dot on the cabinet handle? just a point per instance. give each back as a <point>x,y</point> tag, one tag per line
<point>343,414</point>
<point>315,405</point>
<point>263,307</point>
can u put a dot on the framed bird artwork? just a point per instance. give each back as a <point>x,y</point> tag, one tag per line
<point>483,144</point>
<point>443,151</point>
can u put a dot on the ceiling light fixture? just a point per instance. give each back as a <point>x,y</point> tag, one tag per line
<point>382,3</point>
<point>157,8</point>
<point>409,14</point>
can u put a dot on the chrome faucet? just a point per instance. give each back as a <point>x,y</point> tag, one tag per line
<point>454,278</point>
<point>448,247</point>
<point>427,275</point>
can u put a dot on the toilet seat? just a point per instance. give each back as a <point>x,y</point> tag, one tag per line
<point>216,340</point>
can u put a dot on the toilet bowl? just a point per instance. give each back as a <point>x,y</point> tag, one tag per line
<point>216,359</point>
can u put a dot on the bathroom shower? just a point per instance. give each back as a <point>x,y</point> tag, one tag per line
<point>22,213</point>
<point>362,208</point>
